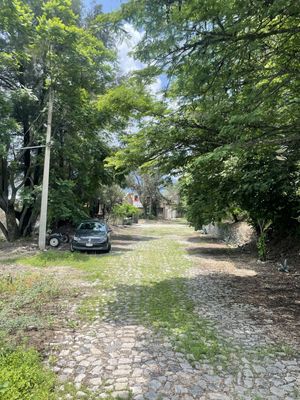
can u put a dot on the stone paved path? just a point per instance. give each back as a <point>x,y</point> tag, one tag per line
<point>116,354</point>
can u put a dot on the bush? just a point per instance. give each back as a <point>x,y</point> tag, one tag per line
<point>22,376</point>
<point>125,210</point>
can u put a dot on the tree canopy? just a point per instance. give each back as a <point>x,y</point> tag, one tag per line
<point>230,125</point>
<point>43,44</point>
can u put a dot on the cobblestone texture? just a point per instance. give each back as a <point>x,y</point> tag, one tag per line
<point>120,356</point>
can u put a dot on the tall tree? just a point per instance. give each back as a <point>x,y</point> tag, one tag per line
<point>149,188</point>
<point>45,43</point>
<point>231,121</point>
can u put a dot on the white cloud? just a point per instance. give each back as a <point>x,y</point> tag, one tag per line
<point>156,87</point>
<point>127,62</point>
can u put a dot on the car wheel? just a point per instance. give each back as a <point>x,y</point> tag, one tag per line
<point>108,249</point>
<point>72,249</point>
<point>54,242</point>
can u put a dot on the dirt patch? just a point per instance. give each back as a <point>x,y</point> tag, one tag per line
<point>251,282</point>
<point>19,248</point>
<point>34,320</point>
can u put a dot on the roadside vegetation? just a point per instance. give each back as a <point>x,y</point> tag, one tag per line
<point>24,299</point>
<point>58,44</point>
<point>32,303</point>
<point>27,305</point>
<point>22,376</point>
<point>227,124</point>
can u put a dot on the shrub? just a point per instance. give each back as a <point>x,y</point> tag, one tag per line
<point>22,376</point>
<point>125,210</point>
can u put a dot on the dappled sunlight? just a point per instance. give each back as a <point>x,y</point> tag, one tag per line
<point>164,306</point>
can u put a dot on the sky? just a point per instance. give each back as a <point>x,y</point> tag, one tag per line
<point>110,5</point>
<point>127,62</point>
<point>107,5</point>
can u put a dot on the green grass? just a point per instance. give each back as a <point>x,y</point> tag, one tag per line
<point>297,393</point>
<point>23,299</point>
<point>61,258</point>
<point>146,284</point>
<point>23,377</point>
<point>165,307</point>
<point>275,349</point>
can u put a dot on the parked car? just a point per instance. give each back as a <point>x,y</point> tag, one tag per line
<point>92,235</point>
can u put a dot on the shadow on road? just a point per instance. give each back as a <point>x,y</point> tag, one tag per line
<point>167,305</point>
<point>131,238</point>
<point>217,252</point>
<point>202,239</point>
<point>117,248</point>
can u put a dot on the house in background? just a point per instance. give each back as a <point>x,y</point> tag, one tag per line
<point>165,209</point>
<point>134,199</point>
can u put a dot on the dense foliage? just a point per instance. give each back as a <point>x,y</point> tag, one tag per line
<point>108,196</point>
<point>43,44</point>
<point>230,125</point>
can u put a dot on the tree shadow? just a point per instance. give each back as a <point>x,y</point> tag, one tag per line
<point>171,306</point>
<point>171,325</point>
<point>164,304</point>
<point>181,328</point>
<point>219,253</point>
<point>62,257</point>
<point>203,239</point>
<point>221,257</point>
<point>132,238</point>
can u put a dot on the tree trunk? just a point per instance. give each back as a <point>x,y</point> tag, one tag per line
<point>145,206</point>
<point>13,231</point>
<point>27,223</point>
<point>3,230</point>
<point>150,207</point>
<point>27,220</point>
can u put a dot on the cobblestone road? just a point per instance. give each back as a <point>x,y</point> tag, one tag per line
<point>117,355</point>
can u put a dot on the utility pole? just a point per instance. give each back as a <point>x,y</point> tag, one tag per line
<point>44,205</point>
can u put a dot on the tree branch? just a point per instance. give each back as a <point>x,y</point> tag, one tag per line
<point>210,38</point>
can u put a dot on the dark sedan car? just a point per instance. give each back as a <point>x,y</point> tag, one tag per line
<point>92,235</point>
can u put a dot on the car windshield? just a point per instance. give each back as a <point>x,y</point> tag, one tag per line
<point>92,226</point>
